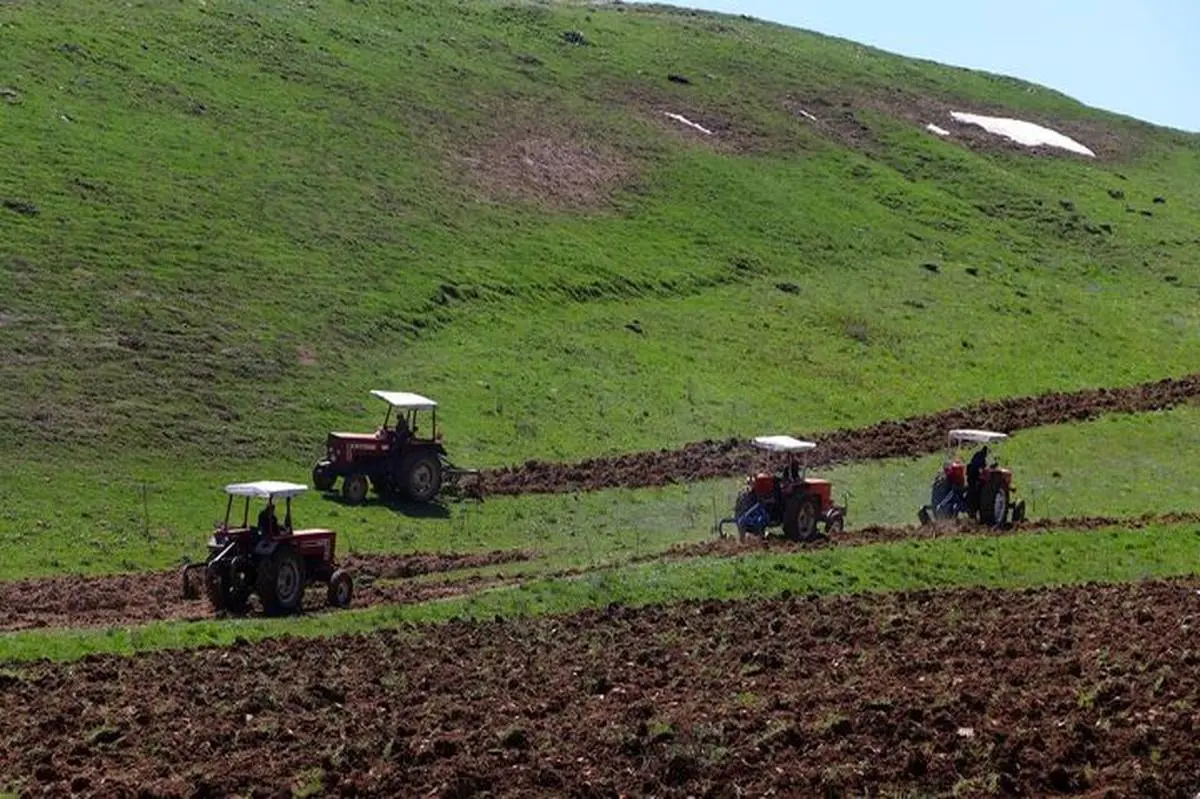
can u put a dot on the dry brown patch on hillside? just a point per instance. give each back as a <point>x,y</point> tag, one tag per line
<point>552,168</point>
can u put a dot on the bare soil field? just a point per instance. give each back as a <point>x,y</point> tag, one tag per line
<point>917,435</point>
<point>1092,690</point>
<point>123,599</point>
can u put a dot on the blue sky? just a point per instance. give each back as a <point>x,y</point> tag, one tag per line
<point>1135,57</point>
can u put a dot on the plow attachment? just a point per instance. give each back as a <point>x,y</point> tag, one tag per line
<point>191,582</point>
<point>462,482</point>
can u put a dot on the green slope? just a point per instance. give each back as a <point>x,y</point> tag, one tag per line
<point>225,222</point>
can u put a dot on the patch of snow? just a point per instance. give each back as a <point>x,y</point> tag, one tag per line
<point>1026,133</point>
<point>689,123</point>
<point>807,115</point>
<point>935,129</point>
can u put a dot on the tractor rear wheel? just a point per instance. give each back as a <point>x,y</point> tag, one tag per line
<point>341,589</point>
<point>354,488</point>
<point>322,480</point>
<point>745,501</point>
<point>421,476</point>
<point>281,580</point>
<point>993,504</point>
<point>800,518</point>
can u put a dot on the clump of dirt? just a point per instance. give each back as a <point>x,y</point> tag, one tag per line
<point>551,168</point>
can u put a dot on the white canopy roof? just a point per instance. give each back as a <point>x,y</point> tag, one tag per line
<point>976,436</point>
<point>783,444</point>
<point>265,488</point>
<point>405,400</point>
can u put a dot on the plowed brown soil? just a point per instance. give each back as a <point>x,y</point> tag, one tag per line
<point>966,693</point>
<point>74,601</point>
<point>913,436</point>
<point>129,599</point>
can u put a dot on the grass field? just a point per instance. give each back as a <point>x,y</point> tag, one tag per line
<point>1054,558</point>
<point>231,225</point>
<point>109,521</point>
<point>222,224</point>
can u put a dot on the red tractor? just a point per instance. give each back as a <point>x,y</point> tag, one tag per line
<point>789,499</point>
<point>979,489</point>
<point>395,459</point>
<point>268,558</point>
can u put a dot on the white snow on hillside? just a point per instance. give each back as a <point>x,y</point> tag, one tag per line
<point>688,122</point>
<point>1026,133</point>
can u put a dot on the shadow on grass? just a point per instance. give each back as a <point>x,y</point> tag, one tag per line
<point>406,507</point>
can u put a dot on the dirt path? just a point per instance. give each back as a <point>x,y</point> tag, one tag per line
<point>917,435</point>
<point>130,599</point>
<point>123,599</point>
<point>976,692</point>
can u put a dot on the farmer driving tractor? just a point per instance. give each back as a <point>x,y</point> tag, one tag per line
<point>268,522</point>
<point>974,469</point>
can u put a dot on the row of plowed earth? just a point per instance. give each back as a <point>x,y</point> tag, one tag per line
<point>975,692</point>
<point>128,599</point>
<point>122,599</point>
<point>916,435</point>
<point>883,534</point>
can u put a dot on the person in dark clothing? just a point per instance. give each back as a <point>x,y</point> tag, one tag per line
<point>792,471</point>
<point>268,523</point>
<point>974,469</point>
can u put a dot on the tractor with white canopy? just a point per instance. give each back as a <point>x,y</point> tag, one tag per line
<point>396,459</point>
<point>269,557</point>
<point>788,499</point>
<point>978,488</point>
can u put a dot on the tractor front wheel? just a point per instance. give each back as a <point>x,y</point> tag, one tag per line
<point>322,479</point>
<point>354,488</point>
<point>993,504</point>
<point>421,476</point>
<point>800,518</point>
<point>341,589</point>
<point>281,581</point>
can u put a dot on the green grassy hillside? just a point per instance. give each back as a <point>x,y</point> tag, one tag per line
<point>223,223</point>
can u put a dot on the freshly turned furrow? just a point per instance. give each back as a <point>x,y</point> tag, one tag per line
<point>1041,692</point>
<point>917,435</point>
<point>124,599</point>
<point>128,599</point>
